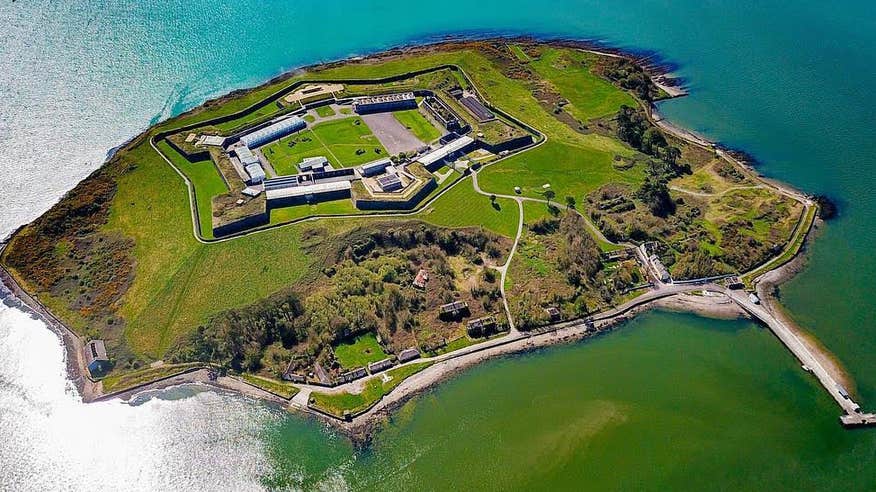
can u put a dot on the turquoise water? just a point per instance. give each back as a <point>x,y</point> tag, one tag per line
<point>671,402</point>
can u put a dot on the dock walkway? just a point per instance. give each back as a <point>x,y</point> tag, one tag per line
<point>853,416</point>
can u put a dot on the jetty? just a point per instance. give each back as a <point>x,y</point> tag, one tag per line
<point>811,361</point>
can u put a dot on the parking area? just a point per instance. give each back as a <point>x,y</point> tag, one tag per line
<point>392,134</point>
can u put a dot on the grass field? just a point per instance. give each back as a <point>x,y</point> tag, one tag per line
<point>207,183</point>
<point>590,96</point>
<point>359,352</point>
<point>478,211</point>
<point>414,121</point>
<point>570,170</point>
<point>345,142</point>
<point>325,111</point>
<point>375,389</point>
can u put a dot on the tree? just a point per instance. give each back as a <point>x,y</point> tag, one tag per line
<point>570,201</point>
<point>655,194</point>
<point>549,195</point>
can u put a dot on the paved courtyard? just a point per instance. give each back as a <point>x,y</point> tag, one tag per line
<point>392,134</point>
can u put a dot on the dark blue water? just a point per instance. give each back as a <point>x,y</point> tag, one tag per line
<point>792,84</point>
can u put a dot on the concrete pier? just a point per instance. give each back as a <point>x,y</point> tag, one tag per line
<point>853,416</point>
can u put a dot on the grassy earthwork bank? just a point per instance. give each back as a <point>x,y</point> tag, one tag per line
<point>279,388</point>
<point>120,382</point>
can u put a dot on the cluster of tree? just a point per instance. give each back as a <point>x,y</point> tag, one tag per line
<point>630,76</point>
<point>237,338</point>
<point>634,128</point>
<point>579,255</point>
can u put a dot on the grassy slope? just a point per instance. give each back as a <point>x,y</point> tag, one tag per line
<point>477,211</point>
<point>414,121</point>
<point>590,96</point>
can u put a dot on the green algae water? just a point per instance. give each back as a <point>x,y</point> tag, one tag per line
<point>668,402</point>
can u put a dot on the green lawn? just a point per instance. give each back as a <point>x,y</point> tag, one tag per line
<point>325,111</point>
<point>463,207</point>
<point>345,142</point>
<point>359,352</point>
<point>414,121</point>
<point>590,96</point>
<point>279,388</point>
<point>207,183</point>
<point>341,206</point>
<point>375,389</point>
<point>570,170</point>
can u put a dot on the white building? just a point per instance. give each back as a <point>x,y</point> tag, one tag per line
<point>272,132</point>
<point>256,173</point>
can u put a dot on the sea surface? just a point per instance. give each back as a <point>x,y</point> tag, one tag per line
<point>669,402</point>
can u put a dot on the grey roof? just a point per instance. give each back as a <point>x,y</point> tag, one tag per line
<point>95,350</point>
<point>311,162</point>
<point>389,182</point>
<point>408,354</point>
<point>273,131</point>
<point>255,172</point>
<point>442,152</point>
<point>292,190</point>
<point>375,167</point>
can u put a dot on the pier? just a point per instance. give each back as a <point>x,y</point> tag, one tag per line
<point>853,416</point>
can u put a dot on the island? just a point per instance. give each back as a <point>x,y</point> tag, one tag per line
<point>350,233</point>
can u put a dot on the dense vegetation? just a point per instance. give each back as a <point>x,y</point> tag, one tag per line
<point>364,287</point>
<point>560,265</point>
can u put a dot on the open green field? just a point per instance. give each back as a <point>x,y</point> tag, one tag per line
<point>345,142</point>
<point>359,352</point>
<point>414,121</point>
<point>590,95</point>
<point>569,170</point>
<point>375,389</point>
<point>206,180</point>
<point>325,111</point>
<point>500,218</point>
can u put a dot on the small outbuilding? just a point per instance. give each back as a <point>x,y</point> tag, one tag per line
<point>453,310</point>
<point>553,313</point>
<point>95,357</point>
<point>421,279</point>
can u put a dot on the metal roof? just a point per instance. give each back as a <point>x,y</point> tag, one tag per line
<point>291,190</point>
<point>442,152</point>
<point>273,131</point>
